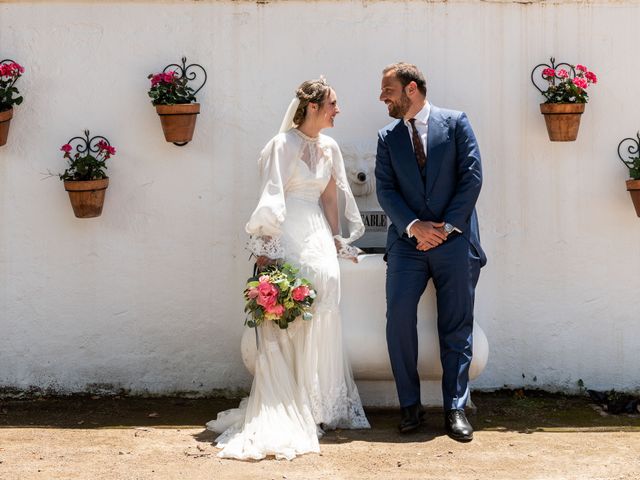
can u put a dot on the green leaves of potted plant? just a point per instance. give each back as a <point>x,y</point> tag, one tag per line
<point>10,72</point>
<point>631,160</point>
<point>175,100</point>
<point>566,94</point>
<point>85,178</point>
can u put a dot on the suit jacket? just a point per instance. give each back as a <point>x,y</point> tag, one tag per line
<point>450,188</point>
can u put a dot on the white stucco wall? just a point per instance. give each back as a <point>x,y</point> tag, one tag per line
<point>147,297</point>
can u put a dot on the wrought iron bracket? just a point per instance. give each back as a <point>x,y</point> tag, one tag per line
<point>552,65</point>
<point>633,150</point>
<point>87,144</point>
<point>187,71</point>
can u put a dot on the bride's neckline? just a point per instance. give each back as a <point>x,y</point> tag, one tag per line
<point>306,137</point>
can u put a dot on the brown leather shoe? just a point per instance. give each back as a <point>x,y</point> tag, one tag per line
<point>457,425</point>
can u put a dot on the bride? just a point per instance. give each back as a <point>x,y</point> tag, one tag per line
<point>308,217</point>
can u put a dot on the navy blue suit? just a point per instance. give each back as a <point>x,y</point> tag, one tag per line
<point>446,191</point>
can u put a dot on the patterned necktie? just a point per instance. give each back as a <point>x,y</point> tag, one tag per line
<point>418,148</point>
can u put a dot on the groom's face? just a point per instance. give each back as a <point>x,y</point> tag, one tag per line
<point>394,96</point>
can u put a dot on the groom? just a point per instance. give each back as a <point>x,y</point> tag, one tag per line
<point>428,178</point>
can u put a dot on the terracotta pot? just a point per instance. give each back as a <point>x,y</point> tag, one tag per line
<point>5,121</point>
<point>563,120</point>
<point>87,196</point>
<point>178,121</point>
<point>633,187</point>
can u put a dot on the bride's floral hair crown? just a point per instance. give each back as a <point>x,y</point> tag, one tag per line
<point>311,91</point>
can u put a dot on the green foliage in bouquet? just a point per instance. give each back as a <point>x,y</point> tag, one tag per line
<point>278,294</point>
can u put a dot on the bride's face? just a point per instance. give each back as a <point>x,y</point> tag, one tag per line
<point>327,112</point>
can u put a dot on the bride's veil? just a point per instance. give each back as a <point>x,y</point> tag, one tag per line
<point>287,121</point>
<point>351,224</point>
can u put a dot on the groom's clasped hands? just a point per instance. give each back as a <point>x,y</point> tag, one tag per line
<point>428,234</point>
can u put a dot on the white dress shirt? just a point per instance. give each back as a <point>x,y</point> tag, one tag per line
<point>422,126</point>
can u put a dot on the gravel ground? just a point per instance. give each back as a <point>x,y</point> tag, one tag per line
<point>519,435</point>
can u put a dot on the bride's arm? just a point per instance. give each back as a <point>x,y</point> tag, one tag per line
<point>329,199</point>
<point>264,225</point>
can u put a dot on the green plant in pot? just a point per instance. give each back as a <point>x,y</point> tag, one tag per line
<point>565,91</point>
<point>175,101</point>
<point>10,72</point>
<point>85,178</point>
<point>629,154</point>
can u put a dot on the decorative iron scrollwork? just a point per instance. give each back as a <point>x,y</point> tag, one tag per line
<point>553,66</point>
<point>632,146</point>
<point>184,72</point>
<point>87,144</point>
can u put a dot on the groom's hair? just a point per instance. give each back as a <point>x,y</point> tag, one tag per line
<point>407,73</point>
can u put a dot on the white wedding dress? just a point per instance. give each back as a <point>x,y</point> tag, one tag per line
<point>303,381</point>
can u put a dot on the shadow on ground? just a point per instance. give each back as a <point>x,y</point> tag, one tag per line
<point>525,412</point>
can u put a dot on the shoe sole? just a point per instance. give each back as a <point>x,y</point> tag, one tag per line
<point>463,439</point>
<point>411,428</point>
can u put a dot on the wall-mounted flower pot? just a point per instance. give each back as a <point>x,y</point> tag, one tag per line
<point>563,120</point>
<point>5,121</point>
<point>87,196</point>
<point>633,187</point>
<point>178,121</point>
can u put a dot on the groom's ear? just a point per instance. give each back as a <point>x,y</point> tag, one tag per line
<point>411,88</point>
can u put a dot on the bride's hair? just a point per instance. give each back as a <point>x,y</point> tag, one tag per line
<point>311,91</point>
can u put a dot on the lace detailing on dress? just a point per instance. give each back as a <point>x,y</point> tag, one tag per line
<point>345,250</point>
<point>338,408</point>
<point>302,375</point>
<point>265,246</point>
<point>311,152</point>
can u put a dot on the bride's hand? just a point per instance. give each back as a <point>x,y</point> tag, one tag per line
<point>347,251</point>
<point>262,262</point>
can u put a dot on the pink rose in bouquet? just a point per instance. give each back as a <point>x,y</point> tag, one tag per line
<point>267,294</point>
<point>279,295</point>
<point>300,293</point>
<point>274,312</point>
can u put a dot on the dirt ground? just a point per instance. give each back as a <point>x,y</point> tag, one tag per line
<point>518,436</point>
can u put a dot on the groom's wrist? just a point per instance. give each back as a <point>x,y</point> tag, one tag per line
<point>409,228</point>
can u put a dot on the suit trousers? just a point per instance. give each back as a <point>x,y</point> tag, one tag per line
<point>454,267</point>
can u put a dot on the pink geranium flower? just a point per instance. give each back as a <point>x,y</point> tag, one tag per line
<point>11,69</point>
<point>548,72</point>
<point>582,68</point>
<point>580,83</point>
<point>66,148</point>
<point>300,293</point>
<point>591,77</point>
<point>562,73</point>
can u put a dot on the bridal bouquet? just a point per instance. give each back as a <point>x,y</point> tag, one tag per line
<point>278,294</point>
